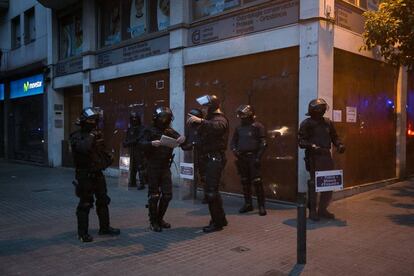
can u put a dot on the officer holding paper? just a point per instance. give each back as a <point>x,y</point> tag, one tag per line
<point>158,142</point>
<point>316,134</point>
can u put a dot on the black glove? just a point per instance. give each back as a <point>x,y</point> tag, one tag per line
<point>236,153</point>
<point>340,148</point>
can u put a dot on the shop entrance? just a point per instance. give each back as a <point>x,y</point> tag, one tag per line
<point>26,129</point>
<point>73,108</point>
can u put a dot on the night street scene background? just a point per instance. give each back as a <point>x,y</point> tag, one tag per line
<point>294,96</point>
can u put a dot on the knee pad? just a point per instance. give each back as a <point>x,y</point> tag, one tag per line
<point>103,201</point>
<point>84,206</point>
<point>211,196</point>
<point>153,197</point>
<point>257,181</point>
<point>166,197</point>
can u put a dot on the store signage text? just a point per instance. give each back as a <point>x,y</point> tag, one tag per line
<point>1,91</point>
<point>69,67</point>
<point>26,87</point>
<point>133,52</point>
<point>278,14</point>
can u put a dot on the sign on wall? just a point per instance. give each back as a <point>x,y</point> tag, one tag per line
<point>329,180</point>
<point>349,17</point>
<point>26,87</point>
<point>187,170</point>
<point>135,51</point>
<point>69,66</point>
<point>278,14</point>
<point>1,91</point>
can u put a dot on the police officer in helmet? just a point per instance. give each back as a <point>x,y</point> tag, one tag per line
<point>248,145</point>
<point>214,132</point>
<point>91,158</point>
<point>138,160</point>
<point>316,134</point>
<point>159,161</point>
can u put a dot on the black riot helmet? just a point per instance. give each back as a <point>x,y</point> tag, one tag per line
<point>134,118</point>
<point>211,101</point>
<point>89,118</point>
<point>317,108</point>
<point>245,111</point>
<point>162,117</point>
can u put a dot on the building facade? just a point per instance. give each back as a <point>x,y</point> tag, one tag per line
<point>277,55</point>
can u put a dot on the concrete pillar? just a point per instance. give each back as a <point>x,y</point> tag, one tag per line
<point>54,99</point>
<point>401,131</point>
<point>179,11</point>
<point>315,63</point>
<point>89,11</point>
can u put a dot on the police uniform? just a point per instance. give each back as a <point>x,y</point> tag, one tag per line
<point>214,134</point>
<point>90,158</point>
<point>248,144</point>
<point>316,134</point>
<point>159,175</point>
<point>138,162</point>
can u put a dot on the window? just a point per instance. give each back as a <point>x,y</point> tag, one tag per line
<point>205,8</point>
<point>29,26</point>
<point>70,35</point>
<point>125,19</point>
<point>16,34</point>
<point>365,4</point>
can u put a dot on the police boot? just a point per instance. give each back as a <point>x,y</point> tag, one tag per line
<point>312,199</point>
<point>258,185</point>
<point>218,217</point>
<point>162,208</point>
<point>153,213</point>
<point>82,214</point>
<point>110,231</point>
<point>248,205</point>
<point>325,199</point>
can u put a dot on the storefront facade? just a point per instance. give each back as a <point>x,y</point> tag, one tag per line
<point>274,54</point>
<point>26,119</point>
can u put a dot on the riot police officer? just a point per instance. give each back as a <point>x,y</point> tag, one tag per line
<point>193,142</point>
<point>214,132</point>
<point>90,158</point>
<point>137,161</point>
<point>159,161</point>
<point>316,134</point>
<point>248,145</point>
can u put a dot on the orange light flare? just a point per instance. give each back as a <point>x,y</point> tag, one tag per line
<point>410,130</point>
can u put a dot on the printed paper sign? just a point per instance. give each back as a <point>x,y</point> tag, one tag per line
<point>351,114</point>
<point>102,88</point>
<point>337,115</point>
<point>329,180</point>
<point>124,163</point>
<point>187,170</point>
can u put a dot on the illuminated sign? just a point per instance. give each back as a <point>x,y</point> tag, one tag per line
<point>26,87</point>
<point>1,91</point>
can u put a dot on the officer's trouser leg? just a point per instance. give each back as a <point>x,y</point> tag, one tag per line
<point>312,197</point>
<point>133,169</point>
<point>154,179</point>
<point>247,193</point>
<point>215,203</point>
<point>102,202</point>
<point>258,185</point>
<point>82,214</point>
<point>166,196</point>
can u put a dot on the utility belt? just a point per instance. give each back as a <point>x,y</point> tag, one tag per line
<point>83,173</point>
<point>216,155</point>
<point>248,154</point>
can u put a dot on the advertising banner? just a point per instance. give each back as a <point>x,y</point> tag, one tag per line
<point>26,87</point>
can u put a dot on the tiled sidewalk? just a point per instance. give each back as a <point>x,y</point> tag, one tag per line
<point>373,234</point>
